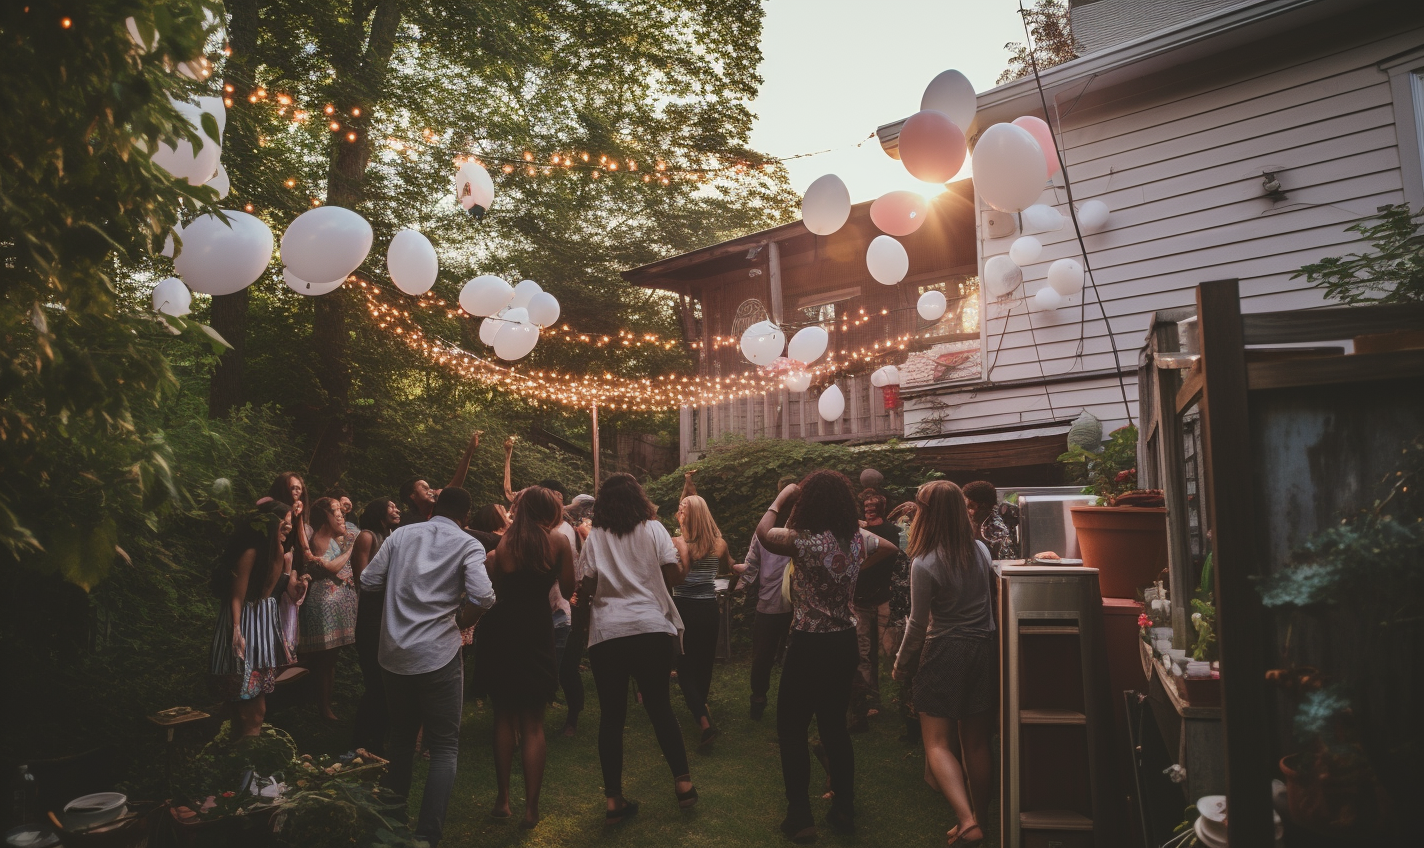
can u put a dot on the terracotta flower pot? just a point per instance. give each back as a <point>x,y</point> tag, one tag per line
<point>1126,544</point>
<point>1339,798</point>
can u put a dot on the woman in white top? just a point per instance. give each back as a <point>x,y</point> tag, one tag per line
<point>628,566</point>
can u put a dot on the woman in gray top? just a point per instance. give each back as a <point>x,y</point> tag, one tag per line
<point>950,638</point>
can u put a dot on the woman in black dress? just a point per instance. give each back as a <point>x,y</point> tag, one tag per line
<point>514,654</point>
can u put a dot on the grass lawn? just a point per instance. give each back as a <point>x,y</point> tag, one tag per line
<point>738,779</point>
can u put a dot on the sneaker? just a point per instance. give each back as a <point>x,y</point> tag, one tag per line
<point>758,710</point>
<point>799,830</point>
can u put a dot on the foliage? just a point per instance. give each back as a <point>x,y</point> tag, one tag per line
<point>342,814</point>
<point>738,477</point>
<point>1108,473</point>
<point>1392,273</point>
<point>225,766</point>
<point>1204,615</point>
<point>1051,35</point>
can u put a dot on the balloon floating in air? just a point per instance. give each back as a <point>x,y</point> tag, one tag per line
<point>489,328</point>
<point>220,183</point>
<point>953,94</point>
<point>887,260</point>
<point>1001,275</point>
<point>797,381</point>
<point>412,262</point>
<point>1025,250</point>
<point>198,164</point>
<point>1092,216</point>
<point>808,345</point>
<point>762,343</point>
<point>485,295</point>
<point>831,404</point>
<point>886,376</point>
<point>1042,219</point>
<point>932,305</point>
<point>1009,169</point>
<point>899,213</point>
<point>1047,300</point>
<point>826,205</point>
<point>543,309</point>
<point>1039,129</point>
<point>171,297</point>
<point>474,189</point>
<point>326,243</point>
<point>1066,277</point>
<point>515,340</point>
<point>932,147</point>
<point>222,259</point>
<point>524,292</point>
<point>301,286</point>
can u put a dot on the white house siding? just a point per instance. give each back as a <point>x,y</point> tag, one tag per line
<point>1178,161</point>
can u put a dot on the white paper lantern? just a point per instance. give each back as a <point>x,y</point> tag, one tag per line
<point>1001,275</point>
<point>1047,300</point>
<point>877,378</point>
<point>326,243</point>
<point>808,345</point>
<point>220,183</point>
<point>1040,218</point>
<point>485,295</point>
<point>1025,250</point>
<point>832,403</point>
<point>797,381</point>
<point>516,340</point>
<point>489,328</point>
<point>1066,277</point>
<point>1092,216</point>
<point>762,343</point>
<point>221,259</point>
<point>183,160</point>
<point>171,297</point>
<point>892,375</point>
<point>300,286</point>
<point>412,262</point>
<point>826,205</point>
<point>524,292</point>
<point>1009,169</point>
<point>543,309</point>
<point>474,189</point>
<point>887,260</point>
<point>932,305</point>
<point>953,94</point>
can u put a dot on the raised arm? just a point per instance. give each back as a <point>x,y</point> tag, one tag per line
<point>508,457</point>
<point>775,539</point>
<point>689,488</point>
<point>463,468</point>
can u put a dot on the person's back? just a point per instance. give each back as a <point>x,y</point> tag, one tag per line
<point>631,597</point>
<point>961,602</point>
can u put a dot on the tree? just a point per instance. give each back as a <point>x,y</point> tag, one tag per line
<point>1392,273</point>
<point>1051,38</point>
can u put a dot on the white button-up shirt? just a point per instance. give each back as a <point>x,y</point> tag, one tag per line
<point>427,571</point>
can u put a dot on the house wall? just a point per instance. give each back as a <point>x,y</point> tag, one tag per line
<point>1178,158</point>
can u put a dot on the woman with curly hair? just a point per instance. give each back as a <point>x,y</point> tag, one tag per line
<point>628,566</point>
<point>828,550</point>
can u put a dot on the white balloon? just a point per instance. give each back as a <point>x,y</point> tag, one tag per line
<point>169,247</point>
<point>222,259</point>
<point>1066,277</point>
<point>485,295</point>
<point>887,260</point>
<point>144,46</point>
<point>832,403</point>
<point>1093,216</point>
<point>797,381</point>
<point>171,297</point>
<point>516,315</point>
<point>524,292</point>
<point>473,187</point>
<point>412,262</point>
<point>516,340</point>
<point>932,305</point>
<point>489,328</point>
<point>892,375</point>
<point>1040,218</point>
<point>763,342</point>
<point>953,94</point>
<point>326,243</point>
<point>183,161</point>
<point>1009,168</point>
<point>220,182</point>
<point>826,205</point>
<point>808,345</point>
<point>1001,275</point>
<point>214,106</point>
<point>300,286</point>
<point>1047,300</point>
<point>543,309</point>
<point>1025,250</point>
<point>877,378</point>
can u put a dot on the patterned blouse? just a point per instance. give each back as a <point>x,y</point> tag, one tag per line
<point>995,534</point>
<point>823,581</point>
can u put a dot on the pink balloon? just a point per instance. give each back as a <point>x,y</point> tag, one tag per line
<point>1038,128</point>
<point>931,146</point>
<point>899,213</point>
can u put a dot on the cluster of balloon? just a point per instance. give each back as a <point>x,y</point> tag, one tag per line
<point>171,297</point>
<point>826,205</point>
<point>513,315</point>
<point>899,213</point>
<point>762,343</point>
<point>932,305</point>
<point>223,257</point>
<point>474,189</point>
<point>322,247</point>
<point>831,404</point>
<point>412,263</point>
<point>886,376</point>
<point>887,260</point>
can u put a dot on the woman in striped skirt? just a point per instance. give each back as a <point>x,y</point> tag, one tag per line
<point>248,649</point>
<point>704,554</point>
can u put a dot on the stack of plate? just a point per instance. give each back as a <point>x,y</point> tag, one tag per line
<point>1211,824</point>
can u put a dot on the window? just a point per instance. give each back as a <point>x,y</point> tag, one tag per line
<point>1406,80</point>
<point>947,350</point>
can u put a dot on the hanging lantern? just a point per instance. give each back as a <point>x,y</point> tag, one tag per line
<point>891,394</point>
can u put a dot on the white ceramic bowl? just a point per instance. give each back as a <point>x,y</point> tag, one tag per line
<point>93,810</point>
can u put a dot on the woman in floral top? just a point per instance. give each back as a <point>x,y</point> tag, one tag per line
<point>828,550</point>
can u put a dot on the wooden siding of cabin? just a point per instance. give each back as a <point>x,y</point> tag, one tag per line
<point>1178,159</point>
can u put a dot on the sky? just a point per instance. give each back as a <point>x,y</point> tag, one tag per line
<point>834,70</point>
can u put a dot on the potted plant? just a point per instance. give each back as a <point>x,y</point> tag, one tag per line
<point>1125,536</point>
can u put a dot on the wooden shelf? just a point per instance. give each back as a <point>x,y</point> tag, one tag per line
<point>1047,630</point>
<point>1065,717</point>
<point>1054,820</point>
<point>1184,709</point>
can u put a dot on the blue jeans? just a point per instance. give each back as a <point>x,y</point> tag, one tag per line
<point>433,699</point>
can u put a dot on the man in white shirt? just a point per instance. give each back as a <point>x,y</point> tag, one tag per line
<point>434,579</point>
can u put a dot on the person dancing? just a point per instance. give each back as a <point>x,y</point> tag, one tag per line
<point>772,623</point>
<point>378,520</point>
<point>328,618</point>
<point>704,554</point>
<point>950,638</point>
<point>828,550</point>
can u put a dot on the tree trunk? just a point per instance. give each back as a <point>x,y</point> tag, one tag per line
<point>226,390</point>
<point>365,76</point>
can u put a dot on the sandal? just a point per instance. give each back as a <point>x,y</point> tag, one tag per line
<point>629,808</point>
<point>688,798</point>
<point>957,836</point>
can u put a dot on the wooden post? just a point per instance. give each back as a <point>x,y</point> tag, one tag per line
<point>593,411</point>
<point>1171,479</point>
<point>773,261</point>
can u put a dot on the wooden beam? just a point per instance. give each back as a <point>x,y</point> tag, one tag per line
<point>1171,477</point>
<point>1008,453</point>
<point>773,261</point>
<point>1231,503</point>
<point>1316,371</point>
<point>1335,322</point>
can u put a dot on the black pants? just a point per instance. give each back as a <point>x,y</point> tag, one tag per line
<point>647,658</point>
<point>570,680</point>
<point>372,715</point>
<point>699,651</point>
<point>769,631</point>
<point>815,681</point>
